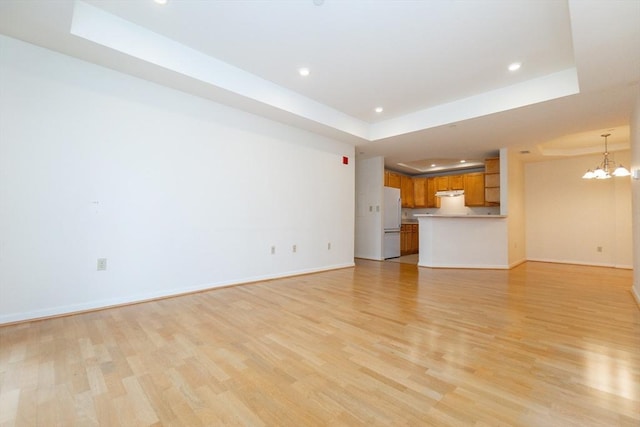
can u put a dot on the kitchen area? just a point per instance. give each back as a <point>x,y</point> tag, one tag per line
<point>452,219</point>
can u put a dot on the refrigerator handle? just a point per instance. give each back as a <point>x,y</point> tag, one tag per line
<point>399,212</point>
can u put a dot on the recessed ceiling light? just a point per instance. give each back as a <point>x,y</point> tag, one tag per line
<point>515,66</point>
<point>379,109</point>
<point>304,71</point>
<point>162,2</point>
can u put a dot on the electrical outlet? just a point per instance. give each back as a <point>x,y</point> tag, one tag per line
<point>102,264</point>
<point>273,250</point>
<point>294,248</point>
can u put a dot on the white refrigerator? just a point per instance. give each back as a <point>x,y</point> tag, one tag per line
<point>392,218</point>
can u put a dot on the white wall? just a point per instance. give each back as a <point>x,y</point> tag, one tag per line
<point>369,230</point>
<point>635,190</point>
<point>177,192</point>
<point>568,217</point>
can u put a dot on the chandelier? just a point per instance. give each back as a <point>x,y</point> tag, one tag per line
<point>607,168</point>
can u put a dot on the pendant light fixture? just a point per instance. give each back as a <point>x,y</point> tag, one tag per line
<point>607,168</point>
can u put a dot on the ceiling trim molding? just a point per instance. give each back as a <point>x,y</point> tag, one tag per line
<point>103,28</point>
<point>552,86</point>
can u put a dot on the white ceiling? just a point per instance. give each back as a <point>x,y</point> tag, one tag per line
<point>438,67</point>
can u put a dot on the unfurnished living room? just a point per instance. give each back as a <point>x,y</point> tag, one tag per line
<point>319,213</point>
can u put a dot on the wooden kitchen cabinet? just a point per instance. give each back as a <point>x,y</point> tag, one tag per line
<point>424,193</point>
<point>409,239</point>
<point>432,200</point>
<point>414,239</point>
<point>391,179</point>
<point>406,191</point>
<point>405,239</point>
<point>419,192</point>
<point>404,183</point>
<point>442,183</point>
<point>449,182</point>
<point>492,165</point>
<point>456,182</point>
<point>492,181</point>
<point>474,189</point>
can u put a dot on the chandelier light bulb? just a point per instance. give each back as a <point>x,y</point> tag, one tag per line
<point>600,173</point>
<point>621,171</point>
<point>589,175</point>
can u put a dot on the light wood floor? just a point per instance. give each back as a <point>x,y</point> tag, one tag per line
<point>384,344</point>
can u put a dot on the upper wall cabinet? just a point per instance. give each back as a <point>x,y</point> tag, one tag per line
<point>456,182</point>
<point>432,200</point>
<point>391,179</point>
<point>492,181</point>
<point>449,182</point>
<point>404,183</point>
<point>474,189</point>
<point>424,193</point>
<point>406,191</point>
<point>419,192</point>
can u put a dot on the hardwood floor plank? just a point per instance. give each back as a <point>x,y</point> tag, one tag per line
<point>379,344</point>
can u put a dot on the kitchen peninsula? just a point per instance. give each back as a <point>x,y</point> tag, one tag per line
<point>463,241</point>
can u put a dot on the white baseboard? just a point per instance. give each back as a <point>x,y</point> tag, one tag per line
<point>579,262</point>
<point>468,266</point>
<point>134,299</point>
<point>370,258</point>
